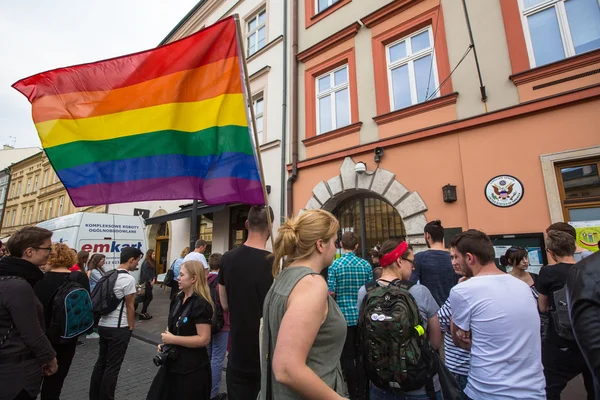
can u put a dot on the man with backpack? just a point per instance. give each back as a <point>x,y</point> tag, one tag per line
<point>220,328</point>
<point>495,316</point>
<point>398,329</point>
<point>561,357</point>
<point>113,298</point>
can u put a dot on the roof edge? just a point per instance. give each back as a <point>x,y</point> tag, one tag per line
<point>182,22</point>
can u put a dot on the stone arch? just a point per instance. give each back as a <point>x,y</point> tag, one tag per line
<point>152,232</point>
<point>381,183</point>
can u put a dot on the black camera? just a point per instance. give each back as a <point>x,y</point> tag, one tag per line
<point>168,352</point>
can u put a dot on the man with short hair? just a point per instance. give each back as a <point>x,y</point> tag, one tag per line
<point>115,329</point>
<point>433,267</point>
<point>561,357</point>
<point>245,278</point>
<point>496,317</point>
<point>346,276</point>
<point>580,252</point>
<point>197,254</point>
<point>26,352</point>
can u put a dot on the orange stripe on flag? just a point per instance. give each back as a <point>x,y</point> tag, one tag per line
<point>203,83</point>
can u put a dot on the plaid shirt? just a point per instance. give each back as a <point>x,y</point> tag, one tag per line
<point>347,275</point>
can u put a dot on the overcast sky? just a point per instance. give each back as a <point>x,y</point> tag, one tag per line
<point>38,35</point>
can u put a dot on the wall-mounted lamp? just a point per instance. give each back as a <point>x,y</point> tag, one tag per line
<point>449,192</point>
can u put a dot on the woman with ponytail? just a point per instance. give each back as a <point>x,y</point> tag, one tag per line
<point>185,372</point>
<point>304,329</point>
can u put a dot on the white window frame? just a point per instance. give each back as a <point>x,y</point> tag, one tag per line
<point>250,33</point>
<point>50,206</point>
<point>18,188</point>
<point>563,26</point>
<point>61,204</point>
<point>35,184</point>
<point>259,97</point>
<point>329,4</point>
<point>24,215</point>
<point>331,92</point>
<point>409,60</point>
<point>14,217</point>
<point>14,190</point>
<point>30,215</point>
<point>55,179</point>
<point>28,189</point>
<point>46,173</point>
<point>41,213</point>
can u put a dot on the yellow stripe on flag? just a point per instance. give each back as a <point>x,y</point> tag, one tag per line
<point>228,109</point>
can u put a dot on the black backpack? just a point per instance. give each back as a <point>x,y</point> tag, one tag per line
<point>70,312</point>
<point>560,314</point>
<point>104,300</point>
<point>218,319</point>
<point>394,347</point>
<point>170,275</point>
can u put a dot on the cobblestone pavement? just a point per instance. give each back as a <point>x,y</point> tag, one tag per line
<point>135,377</point>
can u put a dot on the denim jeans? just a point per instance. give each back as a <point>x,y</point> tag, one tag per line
<point>462,383</point>
<point>216,351</point>
<point>380,394</point>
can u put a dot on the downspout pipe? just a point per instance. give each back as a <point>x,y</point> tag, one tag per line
<point>282,212</point>
<point>294,122</point>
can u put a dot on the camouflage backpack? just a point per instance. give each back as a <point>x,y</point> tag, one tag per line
<point>395,350</point>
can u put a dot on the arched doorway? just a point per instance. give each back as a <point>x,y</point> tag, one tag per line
<point>162,248</point>
<point>372,218</point>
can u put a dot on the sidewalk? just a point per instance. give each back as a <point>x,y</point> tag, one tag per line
<point>149,331</point>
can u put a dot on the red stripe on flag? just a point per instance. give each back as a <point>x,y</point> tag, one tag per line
<point>212,44</point>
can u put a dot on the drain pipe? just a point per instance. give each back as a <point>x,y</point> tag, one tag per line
<point>282,212</point>
<point>294,122</point>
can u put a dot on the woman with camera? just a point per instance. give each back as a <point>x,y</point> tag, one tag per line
<point>183,357</point>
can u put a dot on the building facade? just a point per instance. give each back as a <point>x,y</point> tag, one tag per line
<point>8,156</point>
<point>391,109</point>
<point>168,225</point>
<point>35,194</point>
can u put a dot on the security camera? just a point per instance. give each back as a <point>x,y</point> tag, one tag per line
<point>360,167</point>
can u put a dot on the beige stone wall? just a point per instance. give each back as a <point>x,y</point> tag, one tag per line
<point>49,196</point>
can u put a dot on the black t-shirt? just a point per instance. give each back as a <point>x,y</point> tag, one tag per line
<point>46,288</point>
<point>552,278</point>
<point>247,277</point>
<point>183,319</point>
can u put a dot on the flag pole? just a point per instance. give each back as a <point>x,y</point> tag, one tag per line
<point>253,121</point>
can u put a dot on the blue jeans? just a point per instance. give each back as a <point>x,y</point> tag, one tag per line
<point>462,383</point>
<point>216,351</point>
<point>380,394</point>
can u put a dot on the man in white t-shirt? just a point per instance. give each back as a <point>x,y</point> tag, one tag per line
<point>495,316</point>
<point>196,255</point>
<point>115,329</point>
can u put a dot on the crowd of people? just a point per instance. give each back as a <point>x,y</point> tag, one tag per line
<point>443,323</point>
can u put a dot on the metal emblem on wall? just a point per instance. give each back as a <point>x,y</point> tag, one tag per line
<point>504,191</point>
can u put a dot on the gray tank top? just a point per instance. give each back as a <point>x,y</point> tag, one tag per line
<point>324,356</point>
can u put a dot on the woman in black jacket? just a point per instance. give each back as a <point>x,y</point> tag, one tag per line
<point>61,259</point>
<point>147,278</point>
<point>185,374</point>
<point>25,352</point>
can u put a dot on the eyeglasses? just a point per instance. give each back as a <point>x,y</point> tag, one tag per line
<point>43,248</point>
<point>412,262</point>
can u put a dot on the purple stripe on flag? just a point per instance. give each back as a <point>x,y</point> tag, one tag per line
<point>212,191</point>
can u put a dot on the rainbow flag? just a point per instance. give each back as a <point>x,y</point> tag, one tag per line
<point>164,124</point>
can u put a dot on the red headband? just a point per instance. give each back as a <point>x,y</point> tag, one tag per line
<point>392,256</point>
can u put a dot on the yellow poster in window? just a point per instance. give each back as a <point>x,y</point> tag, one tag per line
<point>588,234</point>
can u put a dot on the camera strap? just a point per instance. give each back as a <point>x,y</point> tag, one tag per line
<point>184,313</point>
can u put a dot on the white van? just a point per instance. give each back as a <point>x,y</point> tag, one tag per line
<point>106,234</point>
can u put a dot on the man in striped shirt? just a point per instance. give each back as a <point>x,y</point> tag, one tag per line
<point>457,360</point>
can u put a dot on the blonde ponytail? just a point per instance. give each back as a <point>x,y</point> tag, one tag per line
<point>297,237</point>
